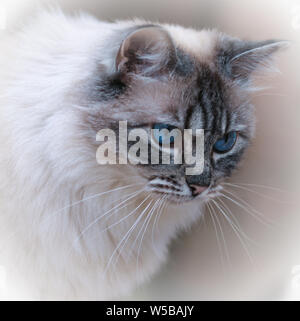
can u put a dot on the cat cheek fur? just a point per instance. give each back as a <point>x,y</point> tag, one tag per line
<point>48,162</point>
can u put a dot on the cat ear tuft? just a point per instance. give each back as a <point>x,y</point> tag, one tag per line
<point>147,51</point>
<point>239,59</point>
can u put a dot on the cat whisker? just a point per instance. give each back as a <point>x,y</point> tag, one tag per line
<point>61,210</point>
<point>242,187</point>
<point>103,215</point>
<point>236,231</point>
<point>140,231</point>
<point>98,195</point>
<point>43,222</point>
<point>125,217</point>
<point>157,217</point>
<point>214,218</point>
<point>148,219</point>
<point>271,94</point>
<point>248,208</point>
<point>236,222</point>
<point>124,239</point>
<point>224,205</point>
<point>258,185</point>
<point>133,244</point>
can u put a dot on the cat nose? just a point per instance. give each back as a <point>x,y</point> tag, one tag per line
<point>197,189</point>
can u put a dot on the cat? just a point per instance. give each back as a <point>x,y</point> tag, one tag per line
<point>74,229</point>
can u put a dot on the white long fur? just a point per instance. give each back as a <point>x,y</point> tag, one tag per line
<point>47,164</point>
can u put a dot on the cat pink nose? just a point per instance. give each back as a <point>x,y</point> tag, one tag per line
<point>197,189</point>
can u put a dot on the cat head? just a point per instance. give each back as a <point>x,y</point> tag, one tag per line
<point>166,77</point>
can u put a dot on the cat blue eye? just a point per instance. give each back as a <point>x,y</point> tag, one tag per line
<point>226,143</point>
<point>160,137</point>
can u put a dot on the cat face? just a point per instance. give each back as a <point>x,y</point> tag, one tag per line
<point>157,82</point>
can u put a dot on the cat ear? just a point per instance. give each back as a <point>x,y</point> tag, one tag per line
<point>147,51</point>
<point>240,58</point>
